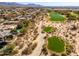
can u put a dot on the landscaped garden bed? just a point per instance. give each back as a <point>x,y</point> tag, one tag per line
<point>54,16</point>
<point>56,44</point>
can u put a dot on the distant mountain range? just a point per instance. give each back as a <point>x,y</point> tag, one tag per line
<point>34,5</point>
<point>17,4</point>
<point>9,3</point>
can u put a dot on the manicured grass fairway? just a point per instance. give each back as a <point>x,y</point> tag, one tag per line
<point>56,44</point>
<point>47,29</point>
<point>56,16</point>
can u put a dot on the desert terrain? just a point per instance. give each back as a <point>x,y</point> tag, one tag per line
<point>28,31</point>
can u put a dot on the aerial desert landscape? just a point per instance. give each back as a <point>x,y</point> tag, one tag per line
<point>30,31</point>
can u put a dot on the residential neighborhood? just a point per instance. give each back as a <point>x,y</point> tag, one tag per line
<point>39,31</point>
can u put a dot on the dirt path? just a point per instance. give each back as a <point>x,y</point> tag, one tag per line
<point>39,40</point>
<point>77,45</point>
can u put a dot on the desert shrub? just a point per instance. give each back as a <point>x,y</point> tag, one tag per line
<point>72,16</point>
<point>8,49</point>
<point>24,23</point>
<point>9,37</point>
<point>47,29</point>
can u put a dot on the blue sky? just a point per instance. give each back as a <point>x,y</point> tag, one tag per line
<point>53,3</point>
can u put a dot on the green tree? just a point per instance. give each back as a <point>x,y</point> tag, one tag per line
<point>24,23</point>
<point>8,49</point>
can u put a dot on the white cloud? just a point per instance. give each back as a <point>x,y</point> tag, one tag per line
<point>53,3</point>
<point>39,0</point>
